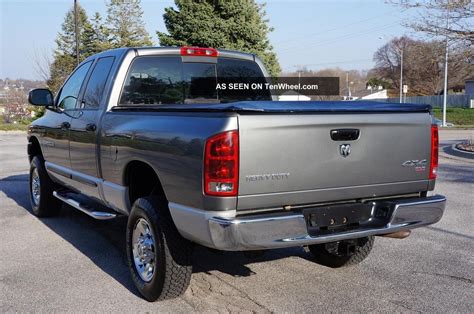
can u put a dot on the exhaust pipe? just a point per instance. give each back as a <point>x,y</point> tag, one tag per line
<point>402,234</point>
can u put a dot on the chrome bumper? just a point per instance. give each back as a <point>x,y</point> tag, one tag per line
<point>277,231</point>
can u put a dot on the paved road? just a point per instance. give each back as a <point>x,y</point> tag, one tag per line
<point>74,263</point>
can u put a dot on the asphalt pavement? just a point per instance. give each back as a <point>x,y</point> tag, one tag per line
<point>74,263</point>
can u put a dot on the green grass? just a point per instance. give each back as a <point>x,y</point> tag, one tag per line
<point>458,116</point>
<point>13,127</point>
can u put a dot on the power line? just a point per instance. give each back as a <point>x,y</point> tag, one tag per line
<point>357,5</point>
<point>348,35</point>
<point>338,62</point>
<point>338,39</point>
<point>340,27</point>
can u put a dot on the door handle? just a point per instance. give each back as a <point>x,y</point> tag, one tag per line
<point>345,134</point>
<point>91,127</point>
<point>65,125</point>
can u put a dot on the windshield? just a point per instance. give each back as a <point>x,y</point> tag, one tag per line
<point>167,80</point>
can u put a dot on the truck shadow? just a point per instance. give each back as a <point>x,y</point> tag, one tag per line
<point>103,242</point>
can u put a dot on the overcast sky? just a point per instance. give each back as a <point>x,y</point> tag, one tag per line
<point>316,34</point>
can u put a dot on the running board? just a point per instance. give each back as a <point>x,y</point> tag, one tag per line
<point>85,209</point>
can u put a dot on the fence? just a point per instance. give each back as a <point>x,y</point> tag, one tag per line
<point>453,101</point>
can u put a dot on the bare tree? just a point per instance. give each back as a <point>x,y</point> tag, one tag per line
<point>42,64</point>
<point>357,79</point>
<point>423,63</point>
<point>14,108</point>
<point>450,18</point>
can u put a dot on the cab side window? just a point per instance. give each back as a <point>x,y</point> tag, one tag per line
<point>96,84</point>
<point>68,96</point>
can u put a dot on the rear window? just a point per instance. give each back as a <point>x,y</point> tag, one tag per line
<point>168,80</point>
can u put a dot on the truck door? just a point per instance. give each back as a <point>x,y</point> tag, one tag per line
<point>83,134</point>
<point>56,137</point>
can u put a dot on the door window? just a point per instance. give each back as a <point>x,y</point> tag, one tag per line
<point>96,84</point>
<point>69,92</point>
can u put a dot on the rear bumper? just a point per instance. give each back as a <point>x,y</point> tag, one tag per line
<point>287,230</point>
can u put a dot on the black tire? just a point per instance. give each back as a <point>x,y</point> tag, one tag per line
<point>172,253</point>
<point>336,254</point>
<point>46,205</point>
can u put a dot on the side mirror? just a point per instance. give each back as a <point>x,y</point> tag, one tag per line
<point>41,97</point>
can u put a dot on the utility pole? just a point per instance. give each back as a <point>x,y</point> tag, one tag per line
<point>445,93</point>
<point>299,70</point>
<point>347,86</point>
<point>76,31</point>
<point>299,82</point>
<point>401,75</point>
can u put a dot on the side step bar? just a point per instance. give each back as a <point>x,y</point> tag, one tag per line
<point>83,208</point>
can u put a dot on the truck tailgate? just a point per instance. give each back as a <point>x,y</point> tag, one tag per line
<point>289,159</point>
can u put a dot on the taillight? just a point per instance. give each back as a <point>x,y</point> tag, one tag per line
<point>434,151</point>
<point>221,164</point>
<point>199,52</point>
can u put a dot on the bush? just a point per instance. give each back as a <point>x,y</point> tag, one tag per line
<point>13,127</point>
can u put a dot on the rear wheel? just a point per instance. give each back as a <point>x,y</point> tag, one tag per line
<point>159,259</point>
<point>342,253</point>
<point>43,202</point>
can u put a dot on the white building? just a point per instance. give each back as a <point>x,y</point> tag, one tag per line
<point>369,93</point>
<point>381,94</point>
<point>293,96</point>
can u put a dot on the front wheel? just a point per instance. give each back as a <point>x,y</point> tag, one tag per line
<point>342,253</point>
<point>159,259</point>
<point>43,202</point>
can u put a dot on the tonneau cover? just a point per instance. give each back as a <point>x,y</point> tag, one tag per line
<point>287,106</point>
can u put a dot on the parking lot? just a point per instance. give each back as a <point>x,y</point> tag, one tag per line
<point>75,263</point>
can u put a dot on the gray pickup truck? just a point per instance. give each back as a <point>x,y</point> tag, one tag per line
<point>131,132</point>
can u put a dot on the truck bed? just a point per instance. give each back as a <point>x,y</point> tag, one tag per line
<point>288,158</point>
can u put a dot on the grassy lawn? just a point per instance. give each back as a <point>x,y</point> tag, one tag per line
<point>458,116</point>
<point>13,127</point>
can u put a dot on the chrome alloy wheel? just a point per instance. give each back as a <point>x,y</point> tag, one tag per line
<point>144,250</point>
<point>35,186</point>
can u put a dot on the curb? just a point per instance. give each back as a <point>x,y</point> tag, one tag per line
<point>460,153</point>
<point>451,151</point>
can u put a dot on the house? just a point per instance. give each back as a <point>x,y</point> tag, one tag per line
<point>293,96</point>
<point>469,87</point>
<point>369,93</point>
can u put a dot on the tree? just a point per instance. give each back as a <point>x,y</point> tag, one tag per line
<point>239,25</point>
<point>15,108</point>
<point>356,80</point>
<point>65,54</point>
<point>61,67</point>
<point>451,18</point>
<point>66,40</point>
<point>96,36</point>
<point>125,24</point>
<point>375,82</point>
<point>423,65</point>
<point>123,28</point>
